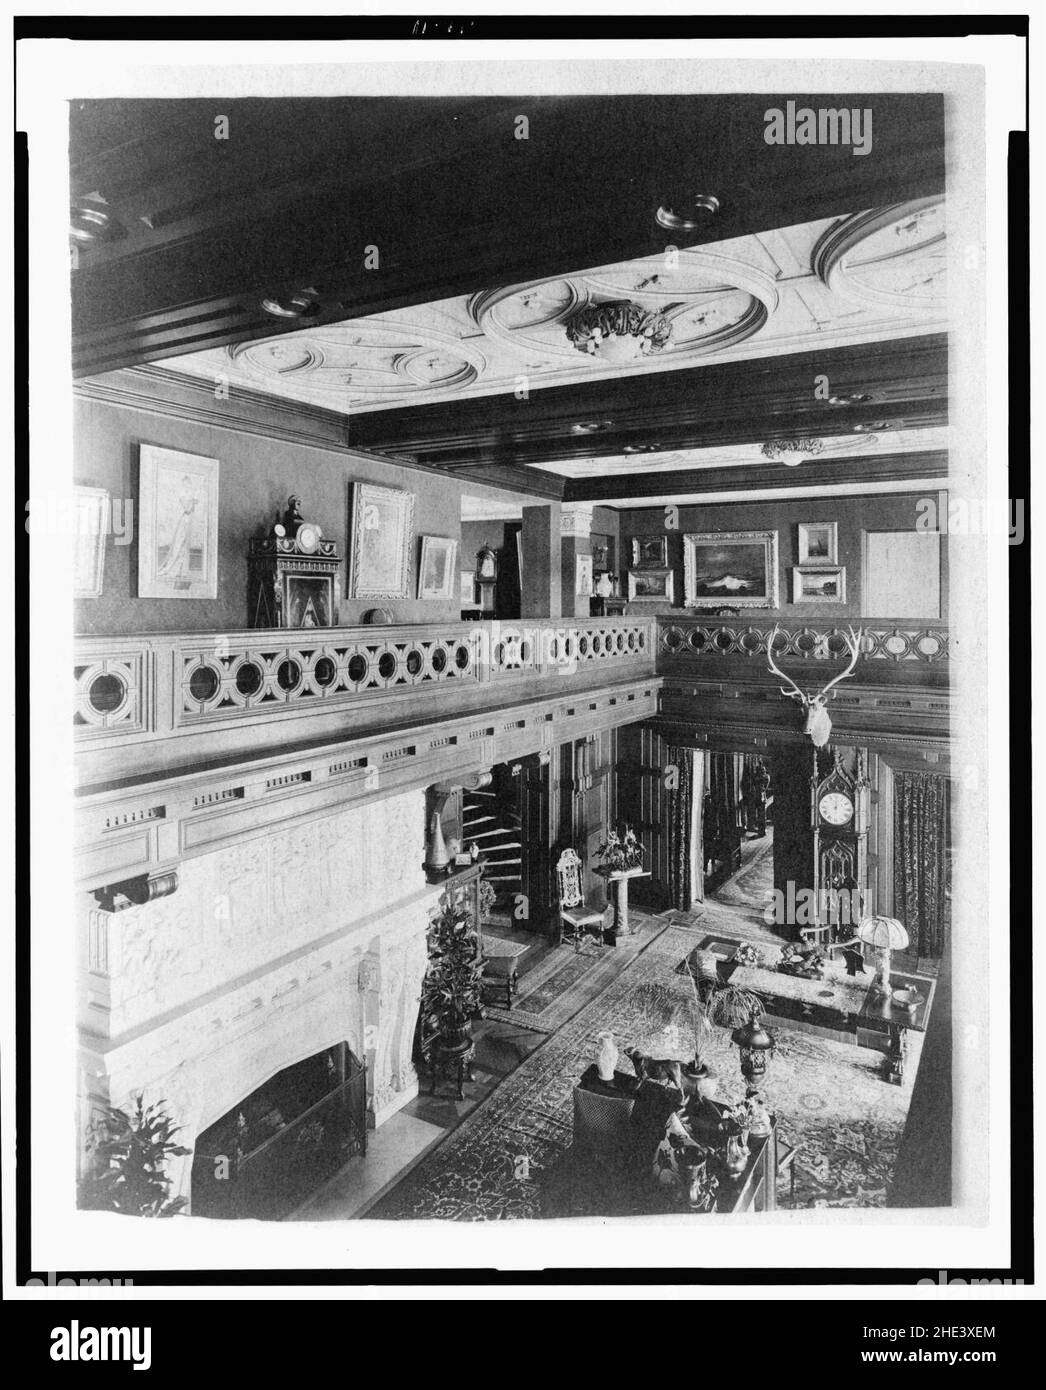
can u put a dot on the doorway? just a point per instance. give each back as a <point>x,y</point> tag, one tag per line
<point>737,828</point>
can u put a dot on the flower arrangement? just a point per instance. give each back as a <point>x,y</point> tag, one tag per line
<point>747,954</point>
<point>619,853</point>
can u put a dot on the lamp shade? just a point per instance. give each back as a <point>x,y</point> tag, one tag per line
<point>884,933</point>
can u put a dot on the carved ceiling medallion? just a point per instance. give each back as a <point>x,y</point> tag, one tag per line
<point>895,255</point>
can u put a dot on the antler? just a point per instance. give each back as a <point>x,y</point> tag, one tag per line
<point>855,651</point>
<point>795,693</point>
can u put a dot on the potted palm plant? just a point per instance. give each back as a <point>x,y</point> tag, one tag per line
<point>451,991</point>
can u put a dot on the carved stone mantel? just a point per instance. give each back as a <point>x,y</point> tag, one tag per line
<point>270,951</point>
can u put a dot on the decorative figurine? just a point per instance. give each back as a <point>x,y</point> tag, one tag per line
<point>292,517</point>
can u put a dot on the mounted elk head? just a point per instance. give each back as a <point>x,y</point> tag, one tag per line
<point>818,724</point>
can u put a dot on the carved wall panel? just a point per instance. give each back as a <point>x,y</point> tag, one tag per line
<point>240,909</point>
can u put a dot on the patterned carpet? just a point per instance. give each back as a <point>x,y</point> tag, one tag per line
<point>566,980</point>
<point>828,1097</point>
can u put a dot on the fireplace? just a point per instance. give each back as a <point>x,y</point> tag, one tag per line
<point>271,1152</point>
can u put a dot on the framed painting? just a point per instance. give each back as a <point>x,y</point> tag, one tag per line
<point>823,584</point>
<point>738,568</point>
<point>178,524</point>
<point>91,513</point>
<point>583,576</point>
<point>651,586</point>
<point>439,565</point>
<point>818,542</point>
<point>649,552</point>
<point>381,537</point>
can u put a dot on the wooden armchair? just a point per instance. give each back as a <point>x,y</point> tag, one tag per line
<point>575,916</point>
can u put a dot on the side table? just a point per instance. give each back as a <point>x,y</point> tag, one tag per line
<point>617,884</point>
<point>451,1061</point>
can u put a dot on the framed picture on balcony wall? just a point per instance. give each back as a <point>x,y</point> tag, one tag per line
<point>583,576</point>
<point>438,568</point>
<point>92,523</point>
<point>381,541</point>
<point>818,542</point>
<point>735,568</point>
<point>651,586</point>
<point>819,584</point>
<point>177,524</point>
<point>649,552</point>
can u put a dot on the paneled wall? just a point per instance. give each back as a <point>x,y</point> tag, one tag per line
<point>854,515</point>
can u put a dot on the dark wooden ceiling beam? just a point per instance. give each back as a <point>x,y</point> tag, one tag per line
<point>718,403</point>
<point>205,228</point>
<point>818,472</point>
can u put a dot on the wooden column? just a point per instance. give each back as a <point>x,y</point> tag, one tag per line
<point>542,585</point>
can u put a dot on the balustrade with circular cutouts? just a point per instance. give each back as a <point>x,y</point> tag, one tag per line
<point>815,642</point>
<point>222,677</point>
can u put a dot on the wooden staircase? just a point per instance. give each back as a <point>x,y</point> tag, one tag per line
<point>497,834</point>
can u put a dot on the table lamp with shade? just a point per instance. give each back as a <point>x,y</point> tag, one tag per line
<point>885,934</point>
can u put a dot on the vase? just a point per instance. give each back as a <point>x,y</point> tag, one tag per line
<point>606,1061</point>
<point>736,1155</point>
<point>697,1187</point>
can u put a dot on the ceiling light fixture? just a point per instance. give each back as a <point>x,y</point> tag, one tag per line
<point>688,214</point>
<point>791,452</point>
<point>297,305</point>
<point>618,332</point>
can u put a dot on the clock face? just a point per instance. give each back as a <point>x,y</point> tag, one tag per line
<point>836,808</point>
<point>308,537</point>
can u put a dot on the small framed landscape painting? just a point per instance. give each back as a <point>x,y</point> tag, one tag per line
<point>824,584</point>
<point>651,586</point>
<point>649,552</point>
<point>178,524</point>
<point>818,542</point>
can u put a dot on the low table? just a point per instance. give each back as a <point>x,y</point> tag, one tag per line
<point>500,965</point>
<point>842,1002</point>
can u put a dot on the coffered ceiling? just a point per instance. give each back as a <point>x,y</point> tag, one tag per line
<point>857,278</point>
<point>412,269</point>
<point>191,235</point>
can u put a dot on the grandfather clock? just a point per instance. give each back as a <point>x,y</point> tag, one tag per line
<point>839,816</point>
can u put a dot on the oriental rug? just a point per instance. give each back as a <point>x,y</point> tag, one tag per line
<point>828,1096</point>
<point>566,980</point>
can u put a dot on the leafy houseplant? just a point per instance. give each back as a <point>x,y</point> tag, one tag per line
<point>451,991</point>
<point>618,853</point>
<point>732,1007</point>
<point>129,1160</point>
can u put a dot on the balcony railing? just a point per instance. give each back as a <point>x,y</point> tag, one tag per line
<point>894,643</point>
<point>132,690</point>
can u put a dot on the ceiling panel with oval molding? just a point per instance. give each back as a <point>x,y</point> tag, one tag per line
<point>874,275</point>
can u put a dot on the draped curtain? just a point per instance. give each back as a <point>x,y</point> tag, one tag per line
<point>920,866</point>
<point>680,828</point>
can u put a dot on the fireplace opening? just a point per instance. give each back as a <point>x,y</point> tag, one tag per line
<point>278,1146</point>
